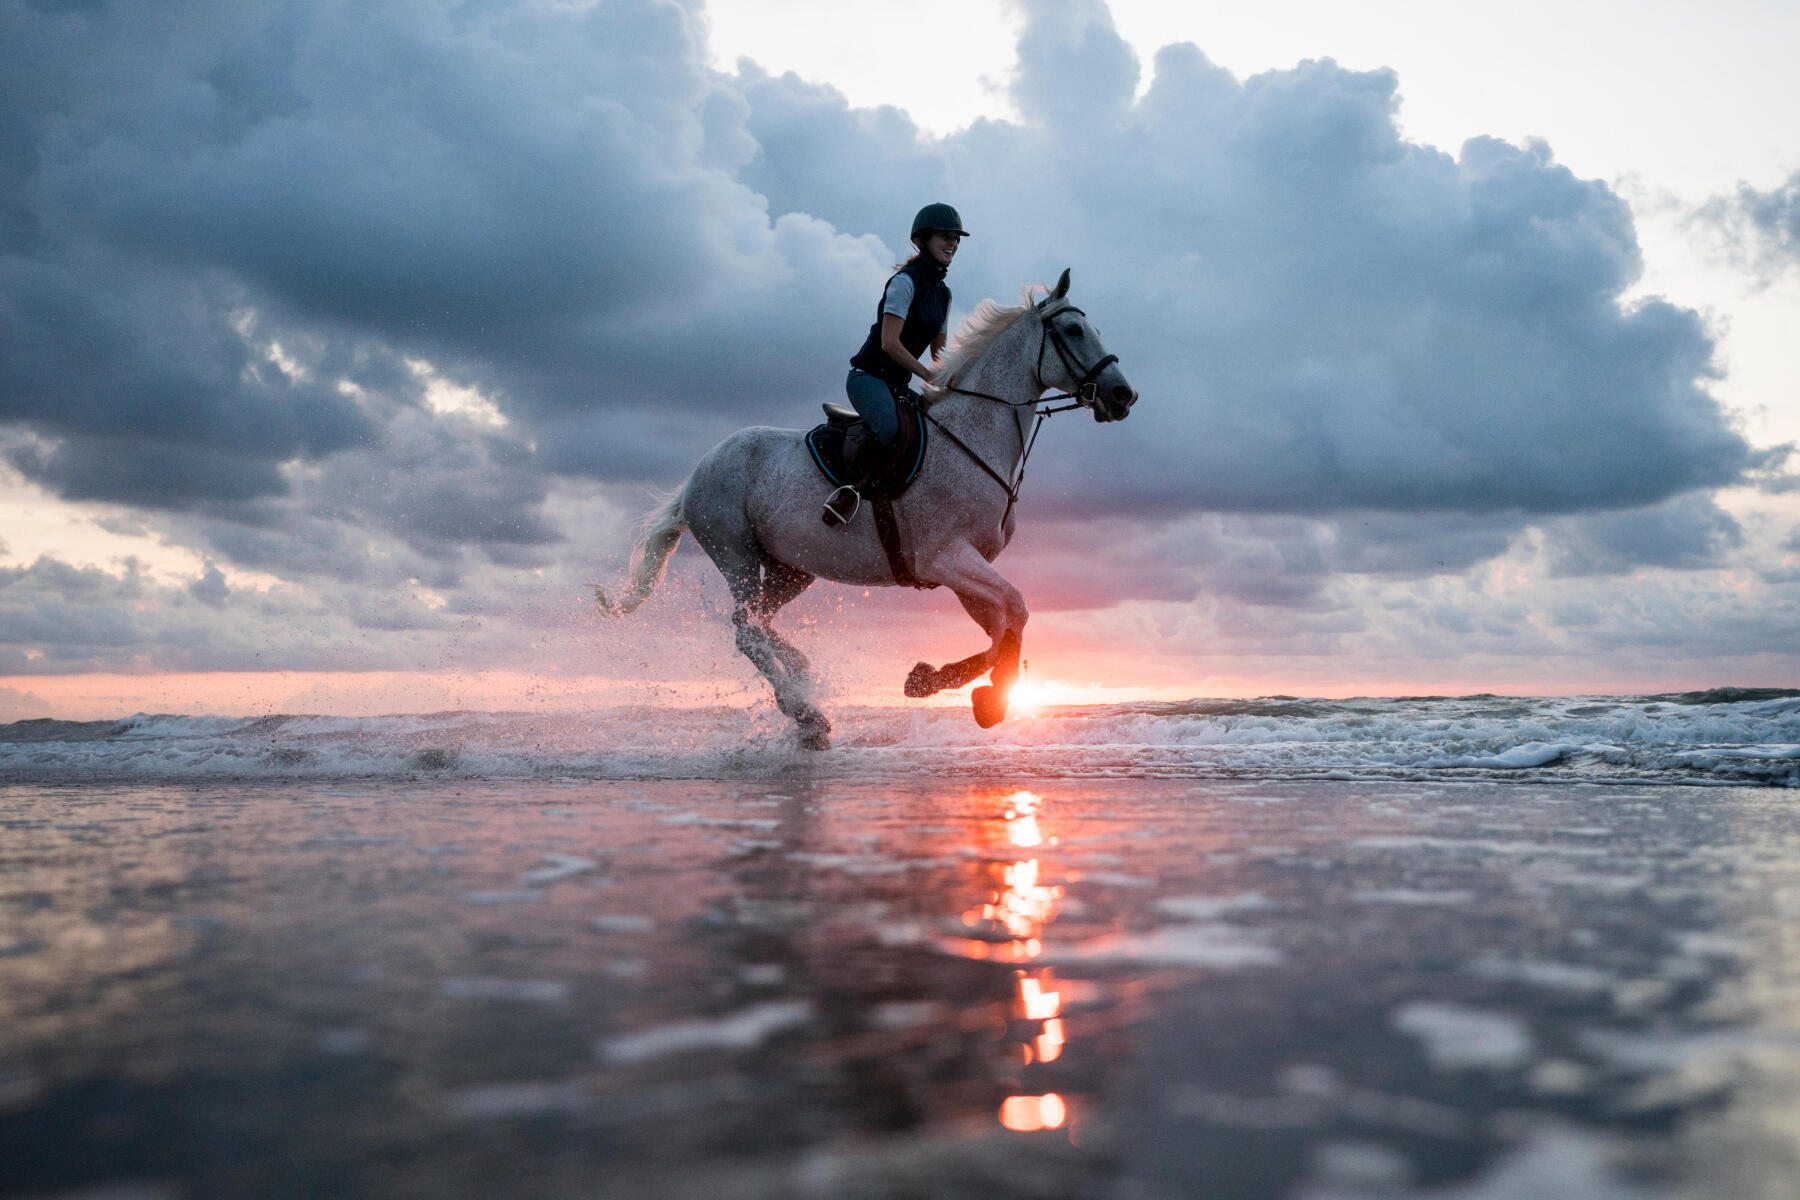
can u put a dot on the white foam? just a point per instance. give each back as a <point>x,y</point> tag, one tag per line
<point>1411,896</point>
<point>743,1030</point>
<point>1458,1039</point>
<point>1210,908</point>
<point>502,896</point>
<point>1555,976</point>
<point>1200,945</point>
<point>1562,738</point>
<point>560,866</point>
<point>523,991</point>
<point>1118,879</point>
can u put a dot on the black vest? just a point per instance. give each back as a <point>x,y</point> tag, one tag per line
<point>924,321</point>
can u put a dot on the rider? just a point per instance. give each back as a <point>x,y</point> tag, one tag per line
<point>914,308</point>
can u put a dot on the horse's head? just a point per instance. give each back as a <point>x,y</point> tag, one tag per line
<point>1080,364</point>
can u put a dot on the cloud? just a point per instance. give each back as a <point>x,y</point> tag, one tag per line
<point>211,588</point>
<point>1319,314</point>
<point>1685,533</point>
<point>17,705</point>
<point>1761,228</point>
<point>242,243</point>
<point>225,212</point>
<point>61,619</point>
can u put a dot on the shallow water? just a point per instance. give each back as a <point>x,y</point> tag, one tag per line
<point>1133,988</point>
<point>1727,736</point>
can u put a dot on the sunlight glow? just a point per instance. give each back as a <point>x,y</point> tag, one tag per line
<point>1036,1003</point>
<point>1025,700</point>
<point>1028,1114</point>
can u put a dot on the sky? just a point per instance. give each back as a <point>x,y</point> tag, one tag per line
<point>341,345</point>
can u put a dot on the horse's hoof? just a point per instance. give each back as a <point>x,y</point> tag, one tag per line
<point>990,705</point>
<point>814,731</point>
<point>921,681</point>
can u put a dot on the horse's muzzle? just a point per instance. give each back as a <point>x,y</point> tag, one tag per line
<point>1114,403</point>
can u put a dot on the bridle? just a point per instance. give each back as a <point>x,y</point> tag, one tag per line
<point>1087,387</point>
<point>1085,395</point>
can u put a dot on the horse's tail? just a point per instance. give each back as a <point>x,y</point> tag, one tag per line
<point>657,537</point>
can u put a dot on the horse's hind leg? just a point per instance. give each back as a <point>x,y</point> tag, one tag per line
<point>759,586</point>
<point>780,584</point>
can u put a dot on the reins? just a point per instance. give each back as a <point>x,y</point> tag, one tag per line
<point>1018,481</point>
<point>1084,393</point>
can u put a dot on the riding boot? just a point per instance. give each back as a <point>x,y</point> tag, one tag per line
<point>863,460</point>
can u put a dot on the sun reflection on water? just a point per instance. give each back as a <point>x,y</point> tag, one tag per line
<point>1009,927</point>
<point>1028,1114</point>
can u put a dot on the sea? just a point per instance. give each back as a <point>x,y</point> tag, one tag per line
<point>1725,736</point>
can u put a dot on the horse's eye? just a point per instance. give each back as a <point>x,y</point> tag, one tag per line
<point>1073,330</point>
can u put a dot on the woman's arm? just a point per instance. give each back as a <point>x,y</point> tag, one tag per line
<point>890,345</point>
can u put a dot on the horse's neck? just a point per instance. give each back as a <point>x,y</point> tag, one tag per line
<point>1007,371</point>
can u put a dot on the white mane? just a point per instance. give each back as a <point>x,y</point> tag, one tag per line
<point>979,330</point>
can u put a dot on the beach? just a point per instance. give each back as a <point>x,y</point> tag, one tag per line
<point>941,985</point>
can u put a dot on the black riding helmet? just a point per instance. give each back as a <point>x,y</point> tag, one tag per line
<point>937,218</point>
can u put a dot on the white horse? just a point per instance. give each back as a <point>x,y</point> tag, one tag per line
<point>753,504</point>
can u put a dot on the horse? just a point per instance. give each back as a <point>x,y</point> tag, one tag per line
<point>753,503</point>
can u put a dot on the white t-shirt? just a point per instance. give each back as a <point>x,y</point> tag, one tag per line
<point>899,295</point>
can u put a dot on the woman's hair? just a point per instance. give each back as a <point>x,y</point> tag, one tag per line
<point>917,254</point>
<point>918,242</point>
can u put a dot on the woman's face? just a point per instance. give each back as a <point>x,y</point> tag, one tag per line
<point>941,247</point>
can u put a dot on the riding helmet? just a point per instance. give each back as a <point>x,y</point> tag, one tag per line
<point>938,218</point>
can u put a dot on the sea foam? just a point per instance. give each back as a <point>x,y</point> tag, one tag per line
<point>1726,737</point>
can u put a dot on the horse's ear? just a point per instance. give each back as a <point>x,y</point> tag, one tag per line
<point>1062,286</point>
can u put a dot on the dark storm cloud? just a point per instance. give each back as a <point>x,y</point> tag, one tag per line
<point>229,232</point>
<point>1272,561</point>
<point>1321,315</point>
<point>211,588</point>
<point>807,151</point>
<point>72,617</point>
<point>150,393</point>
<point>1686,533</point>
<point>521,195</point>
<point>439,486</point>
<point>60,618</point>
<point>563,205</point>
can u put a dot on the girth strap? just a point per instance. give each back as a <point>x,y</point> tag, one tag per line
<point>888,530</point>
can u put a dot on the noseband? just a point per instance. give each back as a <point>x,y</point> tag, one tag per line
<point>1087,387</point>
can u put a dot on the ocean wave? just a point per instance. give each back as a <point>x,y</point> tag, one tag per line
<point>1738,736</point>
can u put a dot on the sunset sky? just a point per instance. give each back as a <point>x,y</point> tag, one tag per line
<point>341,344</point>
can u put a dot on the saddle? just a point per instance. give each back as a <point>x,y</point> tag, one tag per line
<point>849,455</point>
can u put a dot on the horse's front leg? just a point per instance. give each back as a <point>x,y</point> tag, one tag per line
<point>998,608</point>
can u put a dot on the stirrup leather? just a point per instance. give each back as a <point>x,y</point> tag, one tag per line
<point>841,507</point>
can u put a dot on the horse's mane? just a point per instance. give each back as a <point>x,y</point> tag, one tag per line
<point>978,331</point>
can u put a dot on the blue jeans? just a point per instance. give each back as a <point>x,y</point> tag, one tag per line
<point>870,397</point>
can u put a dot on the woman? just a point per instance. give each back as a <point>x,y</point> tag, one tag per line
<point>914,308</point>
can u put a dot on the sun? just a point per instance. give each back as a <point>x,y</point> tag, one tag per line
<point>1027,698</point>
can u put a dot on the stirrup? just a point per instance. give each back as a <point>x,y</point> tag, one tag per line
<point>841,507</point>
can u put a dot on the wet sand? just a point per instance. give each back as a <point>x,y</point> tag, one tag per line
<point>1130,990</point>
